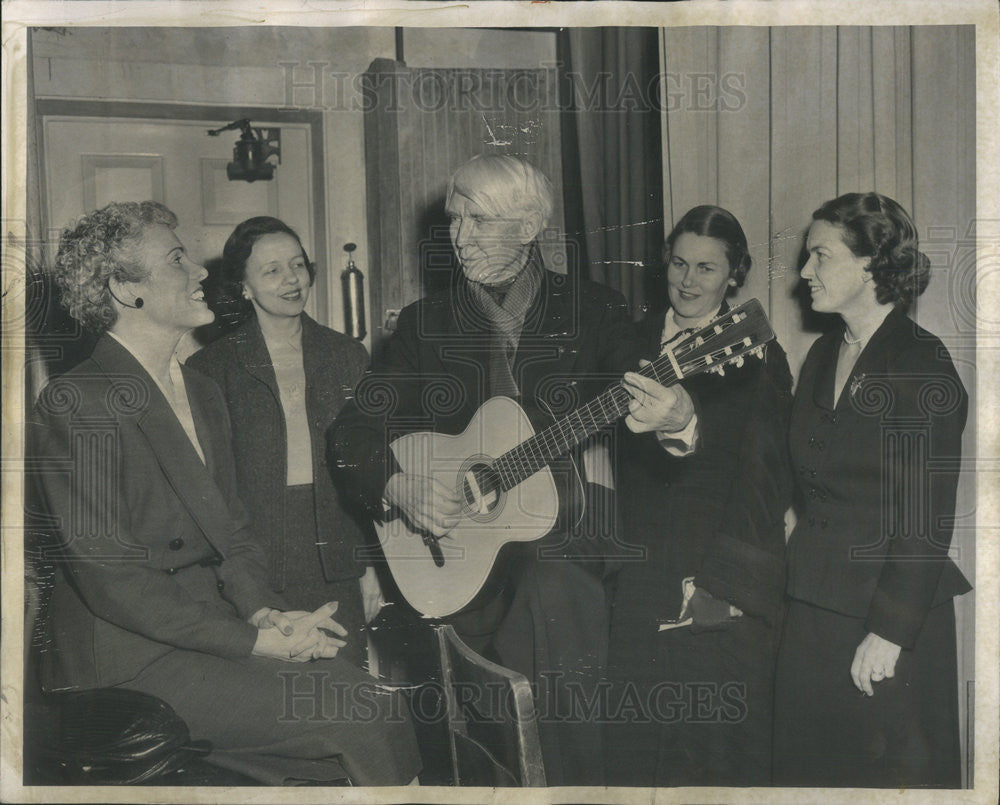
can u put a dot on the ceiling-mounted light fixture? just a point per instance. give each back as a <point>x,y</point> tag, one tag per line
<point>252,151</point>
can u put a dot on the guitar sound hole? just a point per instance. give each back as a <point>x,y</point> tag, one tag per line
<point>482,496</point>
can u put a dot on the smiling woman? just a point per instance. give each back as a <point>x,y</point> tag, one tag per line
<point>285,379</point>
<point>698,277</point>
<point>705,501</point>
<point>164,585</point>
<point>173,298</point>
<point>866,680</point>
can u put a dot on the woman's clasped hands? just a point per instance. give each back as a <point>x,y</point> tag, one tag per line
<point>298,636</point>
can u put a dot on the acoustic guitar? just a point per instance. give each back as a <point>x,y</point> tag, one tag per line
<point>501,468</point>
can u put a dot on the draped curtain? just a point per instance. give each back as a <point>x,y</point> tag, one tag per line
<point>772,122</point>
<point>612,155</point>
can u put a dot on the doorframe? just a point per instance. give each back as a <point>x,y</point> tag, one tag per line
<point>58,107</point>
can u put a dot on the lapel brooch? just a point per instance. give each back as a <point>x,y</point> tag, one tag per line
<point>856,384</point>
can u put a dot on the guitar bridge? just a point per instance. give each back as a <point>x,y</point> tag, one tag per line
<point>432,545</point>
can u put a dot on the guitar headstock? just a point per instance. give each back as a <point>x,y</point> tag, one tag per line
<point>728,339</point>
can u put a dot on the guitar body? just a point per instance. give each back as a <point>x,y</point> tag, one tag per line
<point>442,578</point>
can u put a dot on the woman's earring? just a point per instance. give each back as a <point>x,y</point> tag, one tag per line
<point>246,294</point>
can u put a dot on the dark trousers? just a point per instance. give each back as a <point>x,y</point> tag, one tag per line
<point>551,625</point>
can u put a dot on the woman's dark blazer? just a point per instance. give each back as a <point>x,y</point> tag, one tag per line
<point>878,474</point>
<point>156,549</point>
<point>718,514</point>
<point>240,364</point>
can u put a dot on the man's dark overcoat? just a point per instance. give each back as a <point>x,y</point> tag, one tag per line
<point>433,376</point>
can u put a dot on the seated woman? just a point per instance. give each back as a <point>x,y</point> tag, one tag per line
<point>164,587</point>
<point>691,704</point>
<point>285,379</point>
<point>866,689</point>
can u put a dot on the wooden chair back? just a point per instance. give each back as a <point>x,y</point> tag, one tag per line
<point>492,727</point>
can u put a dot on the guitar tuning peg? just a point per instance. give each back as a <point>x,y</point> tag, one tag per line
<point>739,361</point>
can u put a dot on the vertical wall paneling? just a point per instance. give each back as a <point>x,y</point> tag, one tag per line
<point>890,101</point>
<point>937,181</point>
<point>691,65</point>
<point>665,138</point>
<point>384,232</point>
<point>855,130</point>
<point>742,81</point>
<point>944,208</point>
<point>803,162</point>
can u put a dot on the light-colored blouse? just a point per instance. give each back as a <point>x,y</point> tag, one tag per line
<point>176,397</point>
<point>289,371</point>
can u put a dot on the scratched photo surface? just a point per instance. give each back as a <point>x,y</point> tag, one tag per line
<point>477,407</point>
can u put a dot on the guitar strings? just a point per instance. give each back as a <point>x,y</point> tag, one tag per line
<point>540,449</point>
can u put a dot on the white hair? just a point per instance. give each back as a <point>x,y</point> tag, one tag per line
<point>504,186</point>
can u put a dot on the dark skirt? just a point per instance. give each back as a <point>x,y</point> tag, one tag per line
<point>686,708</point>
<point>306,588</point>
<point>827,733</point>
<point>284,722</point>
<point>699,712</point>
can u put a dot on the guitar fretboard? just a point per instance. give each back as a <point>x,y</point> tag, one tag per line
<point>716,345</point>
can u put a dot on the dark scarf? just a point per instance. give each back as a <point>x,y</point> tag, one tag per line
<point>506,320</point>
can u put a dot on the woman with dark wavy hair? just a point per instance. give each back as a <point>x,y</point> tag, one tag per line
<point>694,626</point>
<point>866,691</point>
<point>285,378</point>
<point>163,585</point>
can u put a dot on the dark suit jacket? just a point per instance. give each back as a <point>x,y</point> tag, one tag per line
<point>718,514</point>
<point>877,473</point>
<point>434,374</point>
<point>241,365</point>
<point>156,549</point>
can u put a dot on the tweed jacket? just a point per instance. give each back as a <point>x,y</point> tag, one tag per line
<point>434,372</point>
<point>240,364</point>
<point>877,475</point>
<point>156,551</point>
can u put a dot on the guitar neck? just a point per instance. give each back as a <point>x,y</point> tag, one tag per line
<point>724,341</point>
<point>558,439</point>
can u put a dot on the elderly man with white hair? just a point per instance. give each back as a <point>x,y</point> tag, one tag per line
<point>507,327</point>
